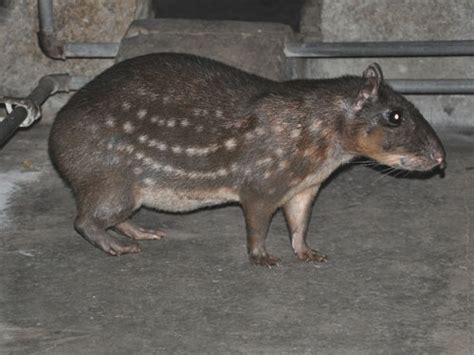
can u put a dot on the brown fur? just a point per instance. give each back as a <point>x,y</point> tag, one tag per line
<point>177,133</point>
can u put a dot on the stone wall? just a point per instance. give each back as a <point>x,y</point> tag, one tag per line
<point>22,63</point>
<point>404,20</point>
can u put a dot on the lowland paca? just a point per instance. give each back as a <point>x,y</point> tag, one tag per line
<point>177,133</point>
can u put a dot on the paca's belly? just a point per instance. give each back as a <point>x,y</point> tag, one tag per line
<point>166,199</point>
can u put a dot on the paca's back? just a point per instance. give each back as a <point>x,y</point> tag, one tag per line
<point>168,115</point>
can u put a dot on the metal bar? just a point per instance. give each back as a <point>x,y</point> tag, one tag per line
<point>380,49</point>
<point>406,86</point>
<point>438,86</point>
<point>77,82</point>
<point>46,87</point>
<point>91,50</point>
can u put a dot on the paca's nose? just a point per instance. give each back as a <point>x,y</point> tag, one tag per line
<point>440,158</point>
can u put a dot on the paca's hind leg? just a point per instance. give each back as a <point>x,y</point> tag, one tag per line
<point>101,206</point>
<point>134,231</point>
<point>95,233</point>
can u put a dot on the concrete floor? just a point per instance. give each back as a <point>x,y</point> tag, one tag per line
<point>399,278</point>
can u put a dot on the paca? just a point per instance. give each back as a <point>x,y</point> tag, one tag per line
<point>177,133</point>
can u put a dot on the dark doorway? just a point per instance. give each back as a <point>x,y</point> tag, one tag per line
<point>280,11</point>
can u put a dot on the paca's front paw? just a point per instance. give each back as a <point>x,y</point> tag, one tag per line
<point>311,255</point>
<point>264,260</point>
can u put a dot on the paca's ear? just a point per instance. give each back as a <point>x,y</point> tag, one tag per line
<point>373,77</point>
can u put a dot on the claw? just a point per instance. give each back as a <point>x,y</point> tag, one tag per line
<point>122,248</point>
<point>312,255</point>
<point>265,260</point>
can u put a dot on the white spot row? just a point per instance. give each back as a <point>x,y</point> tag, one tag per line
<point>154,143</point>
<point>191,151</point>
<point>200,112</point>
<point>156,166</point>
<point>172,122</point>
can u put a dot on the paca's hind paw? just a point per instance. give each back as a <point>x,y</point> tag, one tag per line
<point>311,255</point>
<point>148,234</point>
<point>134,231</point>
<point>101,239</point>
<point>120,248</point>
<point>265,260</point>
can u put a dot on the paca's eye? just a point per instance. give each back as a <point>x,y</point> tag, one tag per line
<point>394,118</point>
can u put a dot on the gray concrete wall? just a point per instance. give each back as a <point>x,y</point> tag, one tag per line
<point>22,63</point>
<point>405,20</point>
<point>256,47</point>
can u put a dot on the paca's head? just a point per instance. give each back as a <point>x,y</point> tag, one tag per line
<point>388,128</point>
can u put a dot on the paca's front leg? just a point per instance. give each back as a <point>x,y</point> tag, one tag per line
<point>258,216</point>
<point>298,212</point>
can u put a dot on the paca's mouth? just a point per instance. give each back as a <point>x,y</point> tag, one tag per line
<point>422,163</point>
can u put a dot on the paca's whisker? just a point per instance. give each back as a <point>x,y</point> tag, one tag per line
<point>399,172</point>
<point>384,173</point>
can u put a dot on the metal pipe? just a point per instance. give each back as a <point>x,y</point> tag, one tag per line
<point>47,39</point>
<point>47,86</point>
<point>46,19</point>
<point>380,49</point>
<point>10,124</point>
<point>437,86</point>
<point>77,82</point>
<point>58,49</point>
<point>91,50</point>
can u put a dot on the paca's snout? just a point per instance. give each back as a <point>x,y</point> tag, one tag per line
<point>433,156</point>
<point>437,153</point>
<point>433,153</point>
<point>439,157</point>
